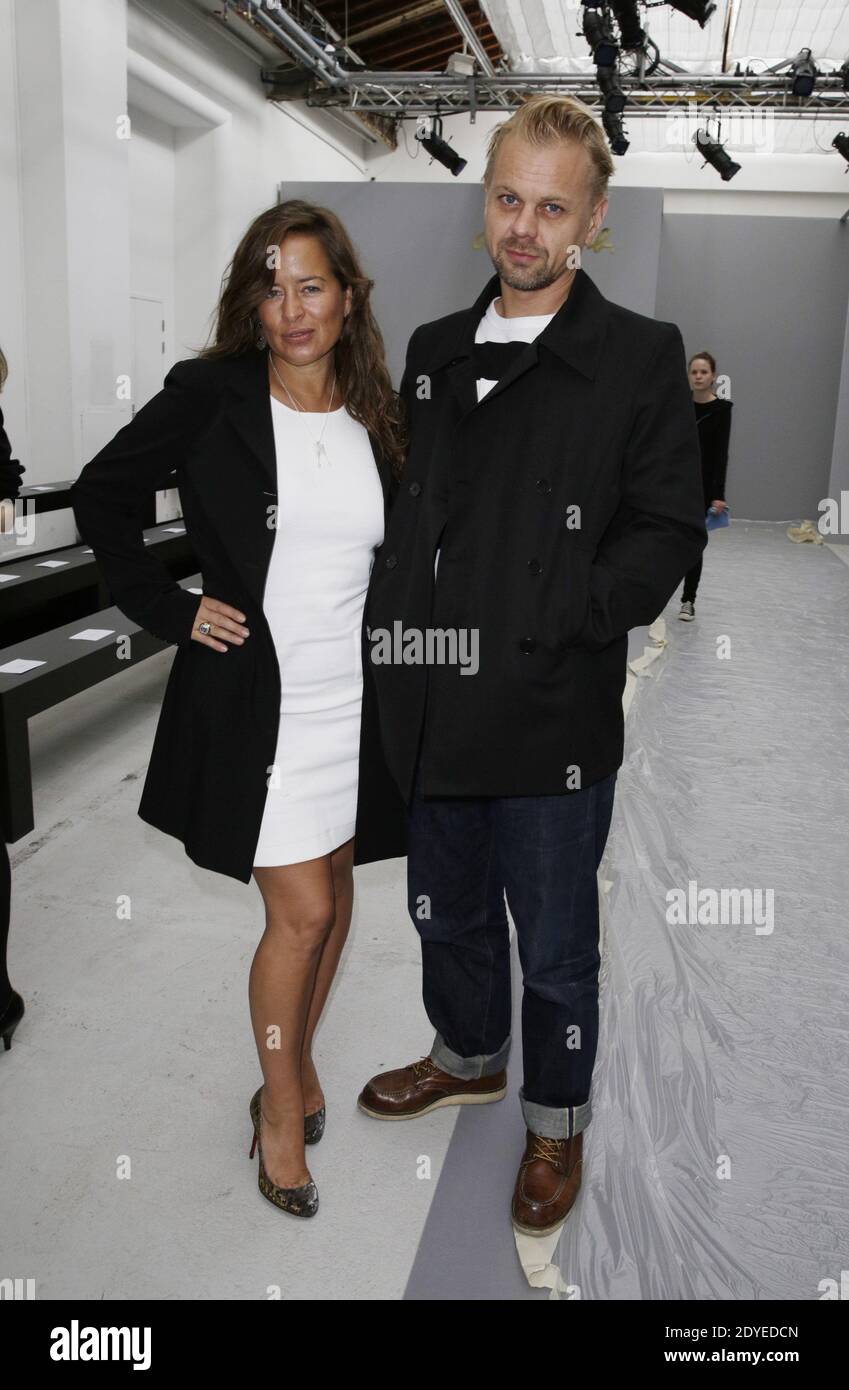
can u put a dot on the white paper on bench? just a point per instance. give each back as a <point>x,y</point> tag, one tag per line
<point>178,530</point>
<point>18,666</point>
<point>4,578</point>
<point>51,564</point>
<point>91,634</point>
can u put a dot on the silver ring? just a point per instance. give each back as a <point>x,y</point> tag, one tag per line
<point>204,628</point>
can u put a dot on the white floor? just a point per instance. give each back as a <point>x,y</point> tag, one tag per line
<point>136,1045</point>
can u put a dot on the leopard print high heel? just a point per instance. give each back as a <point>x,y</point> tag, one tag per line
<point>298,1201</point>
<point>314,1126</point>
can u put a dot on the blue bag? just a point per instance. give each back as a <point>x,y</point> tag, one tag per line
<point>714,520</point>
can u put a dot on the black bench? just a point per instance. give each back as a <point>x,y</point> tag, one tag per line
<point>53,497</point>
<point>46,579</point>
<point>66,665</point>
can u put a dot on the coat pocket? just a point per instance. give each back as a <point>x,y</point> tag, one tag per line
<point>568,604</point>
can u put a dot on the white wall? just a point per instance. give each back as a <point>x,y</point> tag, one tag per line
<point>12,330</point>
<point>86,218</point>
<point>226,170</point>
<point>152,224</point>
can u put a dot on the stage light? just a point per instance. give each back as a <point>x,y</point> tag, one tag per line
<point>614,131</point>
<point>715,155</point>
<point>600,36</point>
<point>694,9</point>
<point>440,150</point>
<point>614,97</point>
<point>804,74</point>
<point>630,31</point>
<point>841,144</point>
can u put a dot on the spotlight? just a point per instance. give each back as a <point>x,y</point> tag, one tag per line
<point>615,132</point>
<point>614,97</point>
<point>715,155</point>
<point>630,32</point>
<point>600,36</point>
<point>440,150</point>
<point>694,9</point>
<point>841,144</point>
<point>804,74</point>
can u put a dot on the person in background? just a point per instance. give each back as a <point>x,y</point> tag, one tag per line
<point>11,1003</point>
<point>713,417</point>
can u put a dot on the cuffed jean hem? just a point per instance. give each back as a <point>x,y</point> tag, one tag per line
<point>552,1122</point>
<point>468,1068</point>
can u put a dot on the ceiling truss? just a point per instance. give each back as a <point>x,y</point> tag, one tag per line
<point>316,75</point>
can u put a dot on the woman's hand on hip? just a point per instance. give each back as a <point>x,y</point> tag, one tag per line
<point>224,622</point>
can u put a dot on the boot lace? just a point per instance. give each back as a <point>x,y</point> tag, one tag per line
<point>424,1067</point>
<point>545,1148</point>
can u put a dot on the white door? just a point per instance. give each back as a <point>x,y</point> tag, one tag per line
<point>148,371</point>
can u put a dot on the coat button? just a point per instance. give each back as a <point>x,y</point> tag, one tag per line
<point>528,645</point>
<point>415,489</point>
<point>543,485</point>
<point>391,561</point>
<point>534,566</point>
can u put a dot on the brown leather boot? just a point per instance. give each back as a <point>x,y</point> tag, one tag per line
<point>547,1183</point>
<point>422,1087</point>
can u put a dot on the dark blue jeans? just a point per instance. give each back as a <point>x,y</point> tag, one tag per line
<point>543,851</point>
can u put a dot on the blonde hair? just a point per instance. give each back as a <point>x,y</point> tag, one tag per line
<point>543,119</point>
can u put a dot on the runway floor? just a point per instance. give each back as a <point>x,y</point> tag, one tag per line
<point>715,1166</point>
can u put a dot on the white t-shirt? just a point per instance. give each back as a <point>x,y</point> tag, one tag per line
<point>495,329</point>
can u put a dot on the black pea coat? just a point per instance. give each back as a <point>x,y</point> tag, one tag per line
<point>595,414</point>
<point>209,432</point>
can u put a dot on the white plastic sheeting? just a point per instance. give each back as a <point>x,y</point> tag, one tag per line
<point>717,1165</point>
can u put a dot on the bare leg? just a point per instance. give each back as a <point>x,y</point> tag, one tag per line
<point>299,917</point>
<point>342,867</point>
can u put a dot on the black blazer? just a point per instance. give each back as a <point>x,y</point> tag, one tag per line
<point>595,414</point>
<point>209,432</point>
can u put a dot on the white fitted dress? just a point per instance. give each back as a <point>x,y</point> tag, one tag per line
<point>329,522</point>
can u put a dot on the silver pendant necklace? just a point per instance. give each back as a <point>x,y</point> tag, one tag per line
<point>321,455</point>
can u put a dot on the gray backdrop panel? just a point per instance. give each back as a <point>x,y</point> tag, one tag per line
<point>417,242</point>
<point>768,297</point>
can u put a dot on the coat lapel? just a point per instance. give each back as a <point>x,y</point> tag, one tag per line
<point>249,411</point>
<point>575,334</point>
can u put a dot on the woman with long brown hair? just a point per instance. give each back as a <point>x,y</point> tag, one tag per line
<point>259,752</point>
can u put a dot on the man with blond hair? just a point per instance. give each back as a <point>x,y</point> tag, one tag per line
<point>551,502</point>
